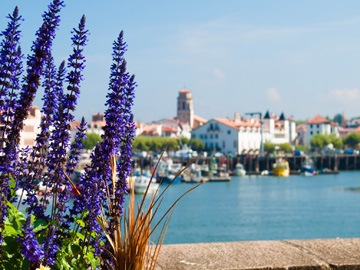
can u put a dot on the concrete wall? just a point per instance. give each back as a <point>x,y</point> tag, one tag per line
<point>284,254</point>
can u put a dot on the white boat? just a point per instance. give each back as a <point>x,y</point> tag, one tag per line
<point>141,183</point>
<point>239,170</point>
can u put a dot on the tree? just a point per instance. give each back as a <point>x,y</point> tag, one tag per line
<point>286,147</point>
<point>269,147</point>
<point>184,141</point>
<point>196,144</point>
<point>336,141</point>
<point>91,140</point>
<point>301,147</point>
<point>338,118</point>
<point>352,140</point>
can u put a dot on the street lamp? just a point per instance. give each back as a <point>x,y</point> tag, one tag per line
<point>261,130</point>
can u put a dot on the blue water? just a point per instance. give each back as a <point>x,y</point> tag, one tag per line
<point>266,208</point>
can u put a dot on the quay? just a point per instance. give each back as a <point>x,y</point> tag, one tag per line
<point>255,164</point>
<point>260,255</point>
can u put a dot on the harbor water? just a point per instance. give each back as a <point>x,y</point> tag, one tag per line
<point>266,208</point>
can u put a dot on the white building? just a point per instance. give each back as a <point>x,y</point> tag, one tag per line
<point>229,136</point>
<point>278,129</point>
<point>244,135</point>
<point>30,128</point>
<point>320,125</point>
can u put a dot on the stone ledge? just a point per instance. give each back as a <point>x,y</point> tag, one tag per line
<point>284,254</point>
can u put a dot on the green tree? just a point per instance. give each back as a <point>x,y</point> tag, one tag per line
<point>338,118</point>
<point>269,147</point>
<point>301,147</point>
<point>184,141</point>
<point>196,144</point>
<point>336,141</point>
<point>286,147</point>
<point>352,140</point>
<point>91,140</point>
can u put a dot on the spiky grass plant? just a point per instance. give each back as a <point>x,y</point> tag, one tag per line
<point>135,243</point>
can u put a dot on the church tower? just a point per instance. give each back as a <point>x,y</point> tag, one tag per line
<point>185,107</point>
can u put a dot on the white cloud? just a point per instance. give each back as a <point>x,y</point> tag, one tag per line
<point>273,94</point>
<point>219,74</point>
<point>345,95</point>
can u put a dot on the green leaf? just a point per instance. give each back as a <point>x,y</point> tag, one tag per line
<point>40,224</point>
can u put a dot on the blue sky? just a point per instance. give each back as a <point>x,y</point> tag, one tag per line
<point>297,57</point>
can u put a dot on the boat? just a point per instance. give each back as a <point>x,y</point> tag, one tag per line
<point>239,170</point>
<point>167,171</point>
<point>141,183</point>
<point>220,175</point>
<point>197,177</point>
<point>307,168</point>
<point>281,168</point>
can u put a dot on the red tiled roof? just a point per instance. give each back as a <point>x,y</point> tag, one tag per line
<point>237,125</point>
<point>184,90</point>
<point>334,124</point>
<point>199,119</point>
<point>169,129</point>
<point>357,129</point>
<point>318,120</point>
<point>301,126</point>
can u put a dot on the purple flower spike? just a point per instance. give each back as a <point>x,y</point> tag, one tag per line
<point>60,138</point>
<point>30,246</point>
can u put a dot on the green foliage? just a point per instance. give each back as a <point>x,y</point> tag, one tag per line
<point>286,147</point>
<point>352,140</point>
<point>301,147</point>
<point>322,140</point>
<point>197,144</point>
<point>91,140</point>
<point>184,141</point>
<point>269,147</point>
<point>145,143</point>
<point>298,122</point>
<point>338,118</point>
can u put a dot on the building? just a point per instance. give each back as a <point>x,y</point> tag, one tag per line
<point>185,107</point>
<point>320,125</point>
<point>240,135</point>
<point>97,124</point>
<point>301,134</point>
<point>278,129</point>
<point>30,128</point>
<point>185,110</point>
<point>229,136</point>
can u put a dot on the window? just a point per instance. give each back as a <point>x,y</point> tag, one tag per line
<point>311,132</point>
<point>229,131</point>
<point>216,136</point>
<point>317,125</point>
<point>235,144</point>
<point>194,136</point>
<point>201,136</point>
<point>317,132</point>
<point>183,106</point>
<point>205,136</point>
<point>211,136</point>
<point>310,126</point>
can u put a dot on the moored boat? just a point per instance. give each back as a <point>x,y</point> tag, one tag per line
<point>281,168</point>
<point>308,169</point>
<point>239,170</point>
<point>141,183</point>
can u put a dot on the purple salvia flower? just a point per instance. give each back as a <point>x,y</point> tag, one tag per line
<point>97,177</point>
<point>60,138</point>
<point>76,148</point>
<point>124,167</point>
<point>40,49</point>
<point>50,247</point>
<point>10,71</point>
<point>38,155</point>
<point>30,246</point>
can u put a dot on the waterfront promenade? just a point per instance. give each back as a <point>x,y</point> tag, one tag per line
<point>280,255</point>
